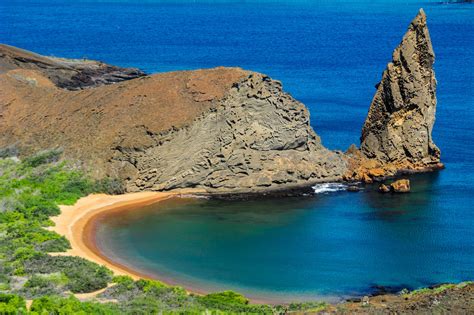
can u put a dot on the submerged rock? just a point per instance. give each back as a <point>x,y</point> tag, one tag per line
<point>353,188</point>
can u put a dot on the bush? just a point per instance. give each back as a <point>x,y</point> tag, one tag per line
<point>307,307</point>
<point>9,151</point>
<point>39,285</point>
<point>227,298</point>
<point>12,304</point>
<point>43,157</point>
<point>84,276</point>
<point>54,245</point>
<point>70,305</point>
<point>34,206</point>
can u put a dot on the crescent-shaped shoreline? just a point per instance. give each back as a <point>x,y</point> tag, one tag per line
<point>76,224</point>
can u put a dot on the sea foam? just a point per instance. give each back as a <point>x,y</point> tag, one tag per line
<point>328,188</point>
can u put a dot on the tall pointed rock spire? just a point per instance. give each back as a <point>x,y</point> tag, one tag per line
<point>401,117</point>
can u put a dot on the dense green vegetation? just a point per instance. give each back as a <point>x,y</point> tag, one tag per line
<point>30,191</point>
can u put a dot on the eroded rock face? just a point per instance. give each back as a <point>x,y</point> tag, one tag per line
<point>257,138</point>
<point>401,117</point>
<point>220,130</point>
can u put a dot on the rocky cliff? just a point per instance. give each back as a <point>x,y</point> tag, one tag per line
<point>256,137</point>
<point>219,130</point>
<point>396,135</point>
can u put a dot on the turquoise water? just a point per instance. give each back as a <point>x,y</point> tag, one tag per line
<point>328,246</point>
<point>329,54</point>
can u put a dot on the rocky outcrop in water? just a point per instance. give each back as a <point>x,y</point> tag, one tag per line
<point>398,186</point>
<point>401,117</point>
<point>396,135</point>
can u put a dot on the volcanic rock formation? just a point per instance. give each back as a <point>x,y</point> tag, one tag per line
<point>255,137</point>
<point>220,130</point>
<point>401,116</point>
<point>397,132</point>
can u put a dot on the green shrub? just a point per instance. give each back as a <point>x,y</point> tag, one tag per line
<point>35,206</point>
<point>9,151</point>
<point>307,306</point>
<point>12,304</point>
<point>124,281</point>
<point>84,276</point>
<point>54,245</point>
<point>43,157</point>
<point>231,302</point>
<point>38,286</point>
<point>70,305</point>
<point>150,285</point>
<point>226,297</point>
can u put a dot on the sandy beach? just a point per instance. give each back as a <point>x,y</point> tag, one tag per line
<point>73,223</point>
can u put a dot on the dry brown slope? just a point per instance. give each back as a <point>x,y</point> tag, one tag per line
<point>36,115</point>
<point>222,129</point>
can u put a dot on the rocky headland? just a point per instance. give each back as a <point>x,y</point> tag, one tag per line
<point>221,130</point>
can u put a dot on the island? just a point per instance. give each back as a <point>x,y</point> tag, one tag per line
<point>69,128</point>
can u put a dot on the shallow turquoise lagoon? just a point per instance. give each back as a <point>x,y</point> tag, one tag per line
<point>326,246</point>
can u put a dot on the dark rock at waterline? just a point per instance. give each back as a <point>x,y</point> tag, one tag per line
<point>354,300</point>
<point>377,290</point>
<point>353,188</point>
<point>384,188</point>
<point>399,186</point>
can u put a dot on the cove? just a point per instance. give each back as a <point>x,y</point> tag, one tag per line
<point>329,246</point>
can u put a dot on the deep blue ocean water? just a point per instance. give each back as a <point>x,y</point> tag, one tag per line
<point>329,55</point>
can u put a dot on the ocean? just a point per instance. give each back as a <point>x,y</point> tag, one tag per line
<point>329,54</point>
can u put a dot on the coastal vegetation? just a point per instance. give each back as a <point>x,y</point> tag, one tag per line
<point>35,269</point>
<point>33,265</point>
